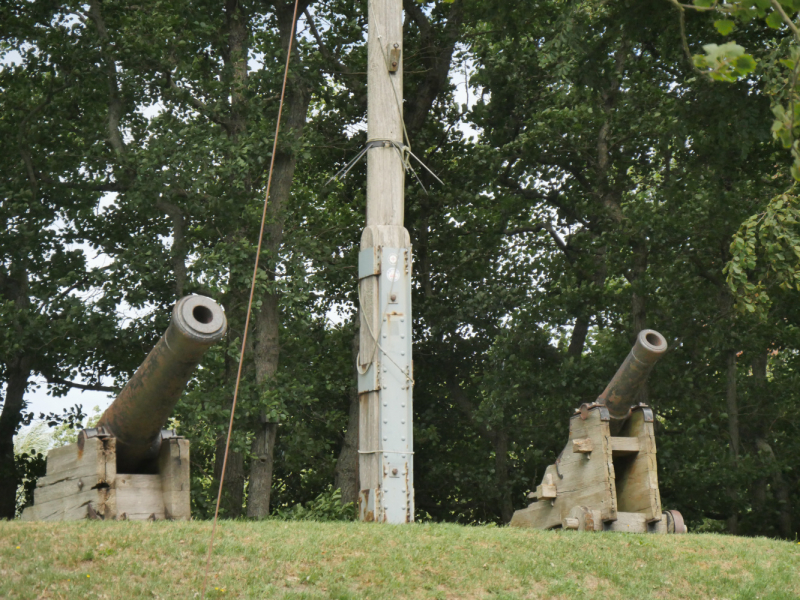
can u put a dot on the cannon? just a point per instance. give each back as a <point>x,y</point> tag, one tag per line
<point>606,478</point>
<point>128,466</point>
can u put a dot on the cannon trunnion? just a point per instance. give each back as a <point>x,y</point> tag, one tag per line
<point>606,478</point>
<point>128,467</point>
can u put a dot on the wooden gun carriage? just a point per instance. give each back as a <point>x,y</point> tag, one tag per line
<point>128,467</point>
<point>606,479</point>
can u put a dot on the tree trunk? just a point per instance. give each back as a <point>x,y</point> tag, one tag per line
<point>18,371</point>
<point>267,321</point>
<point>639,299</point>
<point>233,490</point>
<point>500,443</point>
<point>259,491</point>
<point>346,474</point>
<point>14,287</point>
<point>779,483</point>
<point>266,356</point>
<point>733,430</point>
<point>781,490</point>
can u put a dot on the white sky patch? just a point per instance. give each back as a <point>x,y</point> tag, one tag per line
<point>40,402</point>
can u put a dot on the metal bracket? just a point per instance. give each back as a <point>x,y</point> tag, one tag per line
<point>369,262</point>
<point>583,411</point>
<point>394,58</point>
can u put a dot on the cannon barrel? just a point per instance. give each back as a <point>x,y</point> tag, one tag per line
<point>622,391</point>
<point>136,416</point>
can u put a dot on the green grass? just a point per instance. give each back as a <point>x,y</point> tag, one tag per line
<point>341,561</point>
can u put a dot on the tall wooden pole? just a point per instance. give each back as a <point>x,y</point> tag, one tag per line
<point>385,386</point>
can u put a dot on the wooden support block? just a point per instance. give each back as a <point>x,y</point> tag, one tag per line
<point>78,476</point>
<point>620,446</point>
<point>173,469</point>
<point>582,445</point>
<point>571,523</point>
<point>139,496</point>
<point>548,491</point>
<point>627,522</point>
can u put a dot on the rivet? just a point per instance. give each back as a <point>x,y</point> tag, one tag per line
<point>402,337</point>
<point>386,456</point>
<point>401,422</point>
<point>402,320</point>
<point>402,439</point>
<point>402,406</point>
<point>386,404</point>
<point>384,439</point>
<point>384,368</point>
<point>402,354</point>
<point>384,335</point>
<point>385,421</point>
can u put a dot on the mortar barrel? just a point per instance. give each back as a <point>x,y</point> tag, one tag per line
<point>143,406</point>
<point>622,392</point>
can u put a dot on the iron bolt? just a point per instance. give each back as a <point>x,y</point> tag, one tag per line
<point>394,297</point>
<point>394,471</point>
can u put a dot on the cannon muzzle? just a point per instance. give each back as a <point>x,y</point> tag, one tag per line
<point>622,391</point>
<point>143,406</point>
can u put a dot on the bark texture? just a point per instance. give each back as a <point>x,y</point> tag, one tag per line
<point>346,474</point>
<point>14,287</point>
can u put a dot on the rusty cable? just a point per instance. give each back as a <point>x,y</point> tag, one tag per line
<point>250,300</point>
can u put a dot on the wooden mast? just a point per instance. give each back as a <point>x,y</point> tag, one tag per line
<point>385,387</point>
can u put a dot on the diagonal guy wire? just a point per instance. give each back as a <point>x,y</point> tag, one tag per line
<point>250,301</point>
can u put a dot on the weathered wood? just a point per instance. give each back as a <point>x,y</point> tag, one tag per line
<point>621,446</point>
<point>603,474</point>
<point>548,488</point>
<point>587,478</point>
<point>385,172</point>
<point>139,496</point>
<point>77,476</point>
<point>637,481</point>
<point>627,522</point>
<point>173,469</point>
<point>68,508</point>
<point>582,445</point>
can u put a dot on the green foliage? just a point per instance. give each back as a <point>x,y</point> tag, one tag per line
<point>765,255</point>
<point>727,62</point>
<point>327,506</point>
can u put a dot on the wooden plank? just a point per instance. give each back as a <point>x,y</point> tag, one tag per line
<point>627,522</point>
<point>173,469</point>
<point>624,445</point>
<point>139,496</point>
<point>70,508</point>
<point>67,487</point>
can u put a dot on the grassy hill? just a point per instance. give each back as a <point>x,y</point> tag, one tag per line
<point>303,560</point>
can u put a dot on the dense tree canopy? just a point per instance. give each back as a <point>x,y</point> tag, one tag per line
<point>596,180</point>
